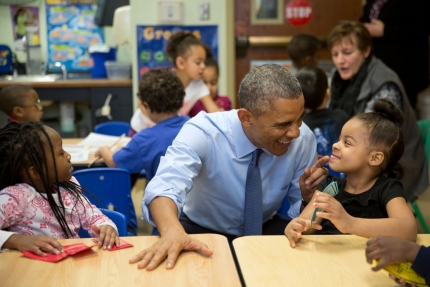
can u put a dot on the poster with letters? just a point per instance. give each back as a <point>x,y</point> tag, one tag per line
<point>152,42</point>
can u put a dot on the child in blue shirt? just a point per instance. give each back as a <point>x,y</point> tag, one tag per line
<point>325,124</point>
<point>160,96</point>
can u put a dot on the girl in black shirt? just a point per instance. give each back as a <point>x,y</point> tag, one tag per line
<point>370,201</point>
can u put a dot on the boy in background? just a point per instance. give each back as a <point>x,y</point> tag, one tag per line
<point>326,124</point>
<point>20,103</point>
<point>304,51</point>
<point>160,96</point>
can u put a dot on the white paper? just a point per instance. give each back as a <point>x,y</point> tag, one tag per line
<point>98,140</point>
<point>79,156</point>
<point>72,148</point>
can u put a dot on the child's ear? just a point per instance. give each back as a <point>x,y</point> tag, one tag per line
<point>33,173</point>
<point>376,158</point>
<point>180,63</point>
<point>146,106</point>
<point>367,52</point>
<point>17,112</point>
<point>244,117</point>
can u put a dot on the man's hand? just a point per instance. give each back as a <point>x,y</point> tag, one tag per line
<point>312,177</point>
<point>38,244</point>
<point>169,245</point>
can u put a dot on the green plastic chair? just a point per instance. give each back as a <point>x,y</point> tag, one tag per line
<point>424,126</point>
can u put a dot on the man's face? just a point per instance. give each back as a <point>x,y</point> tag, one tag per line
<point>277,127</point>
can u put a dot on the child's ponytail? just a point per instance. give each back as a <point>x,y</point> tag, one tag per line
<point>389,110</point>
<point>179,44</point>
<point>383,125</point>
<point>395,115</point>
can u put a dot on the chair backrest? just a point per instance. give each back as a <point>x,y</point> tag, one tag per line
<point>112,128</point>
<point>424,126</point>
<point>118,218</point>
<point>109,188</point>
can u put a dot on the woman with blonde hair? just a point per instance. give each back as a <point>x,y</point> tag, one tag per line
<point>361,79</point>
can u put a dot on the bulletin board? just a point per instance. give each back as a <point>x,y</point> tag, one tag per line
<point>71,30</point>
<point>152,42</point>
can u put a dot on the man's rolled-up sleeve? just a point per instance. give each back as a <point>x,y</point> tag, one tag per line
<point>181,164</point>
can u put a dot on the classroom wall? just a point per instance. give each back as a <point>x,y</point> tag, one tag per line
<point>6,33</point>
<point>144,12</point>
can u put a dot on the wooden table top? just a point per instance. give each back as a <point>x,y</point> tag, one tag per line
<point>318,260</point>
<point>103,268</point>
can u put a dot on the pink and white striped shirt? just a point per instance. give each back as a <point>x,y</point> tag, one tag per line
<point>25,211</point>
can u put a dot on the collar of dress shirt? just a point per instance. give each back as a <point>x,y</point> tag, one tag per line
<point>243,145</point>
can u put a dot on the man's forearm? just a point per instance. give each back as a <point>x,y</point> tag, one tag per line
<point>165,214</point>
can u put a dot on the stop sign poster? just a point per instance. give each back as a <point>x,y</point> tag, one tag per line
<point>298,12</point>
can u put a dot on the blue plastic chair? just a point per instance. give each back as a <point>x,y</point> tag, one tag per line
<point>118,218</point>
<point>112,128</point>
<point>109,188</point>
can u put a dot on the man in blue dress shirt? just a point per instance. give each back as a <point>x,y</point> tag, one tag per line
<point>202,177</point>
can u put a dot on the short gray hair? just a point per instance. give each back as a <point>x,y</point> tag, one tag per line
<point>265,83</point>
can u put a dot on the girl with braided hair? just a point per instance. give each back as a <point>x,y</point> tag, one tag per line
<point>39,199</point>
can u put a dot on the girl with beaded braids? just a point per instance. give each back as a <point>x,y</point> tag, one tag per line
<point>40,201</point>
<point>188,55</point>
<point>370,201</point>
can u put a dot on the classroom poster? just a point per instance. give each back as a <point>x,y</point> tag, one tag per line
<point>25,21</point>
<point>152,42</point>
<point>71,29</point>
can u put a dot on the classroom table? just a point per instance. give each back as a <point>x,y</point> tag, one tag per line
<point>318,260</point>
<point>82,164</point>
<point>103,268</point>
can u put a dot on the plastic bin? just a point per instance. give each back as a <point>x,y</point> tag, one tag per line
<point>99,54</point>
<point>118,70</point>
